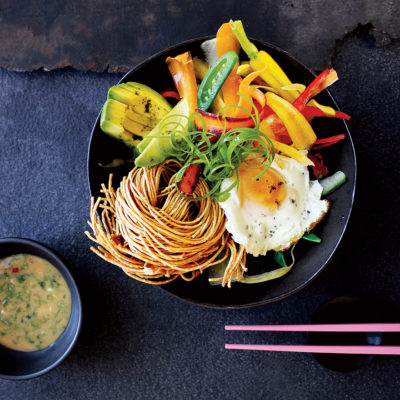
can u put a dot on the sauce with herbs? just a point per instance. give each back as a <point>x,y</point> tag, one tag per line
<point>35,303</point>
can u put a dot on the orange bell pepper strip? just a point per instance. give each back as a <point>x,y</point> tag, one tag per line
<point>227,41</point>
<point>299,129</point>
<point>273,127</point>
<point>245,95</point>
<point>182,71</point>
<point>258,95</point>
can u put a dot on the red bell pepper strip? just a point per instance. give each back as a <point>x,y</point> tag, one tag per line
<point>326,142</point>
<point>218,124</point>
<point>310,111</point>
<point>274,124</point>
<point>321,82</point>
<point>171,93</point>
<point>189,179</point>
<point>319,169</point>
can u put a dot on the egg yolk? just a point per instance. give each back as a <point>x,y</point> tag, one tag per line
<point>268,190</point>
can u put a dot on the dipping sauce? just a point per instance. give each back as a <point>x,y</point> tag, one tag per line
<point>35,303</point>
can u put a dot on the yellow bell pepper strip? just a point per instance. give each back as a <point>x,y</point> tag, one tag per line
<point>182,71</point>
<point>245,69</point>
<point>227,41</point>
<point>200,70</point>
<point>291,152</point>
<point>329,111</point>
<point>274,76</point>
<point>299,129</point>
<point>322,81</point>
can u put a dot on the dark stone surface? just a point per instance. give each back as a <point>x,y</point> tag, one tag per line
<point>101,35</point>
<point>139,342</point>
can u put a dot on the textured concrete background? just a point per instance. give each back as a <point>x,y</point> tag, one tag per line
<point>113,35</point>
<point>137,341</point>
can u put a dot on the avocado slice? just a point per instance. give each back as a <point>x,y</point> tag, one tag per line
<point>156,146</point>
<point>142,100</point>
<point>131,111</point>
<point>178,114</point>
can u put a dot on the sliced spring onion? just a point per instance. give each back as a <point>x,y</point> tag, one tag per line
<point>332,182</point>
<point>274,274</point>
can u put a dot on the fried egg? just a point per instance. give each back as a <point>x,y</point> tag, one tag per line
<point>274,211</point>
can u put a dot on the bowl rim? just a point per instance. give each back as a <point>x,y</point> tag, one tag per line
<point>77,300</point>
<point>348,211</point>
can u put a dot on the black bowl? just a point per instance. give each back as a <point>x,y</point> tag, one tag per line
<point>25,365</point>
<point>311,259</point>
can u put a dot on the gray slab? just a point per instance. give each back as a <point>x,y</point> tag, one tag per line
<point>138,342</point>
<point>101,35</point>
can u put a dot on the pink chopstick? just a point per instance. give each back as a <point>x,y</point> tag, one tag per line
<point>373,327</point>
<point>376,350</point>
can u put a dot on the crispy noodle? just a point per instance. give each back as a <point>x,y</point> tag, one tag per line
<point>155,235</point>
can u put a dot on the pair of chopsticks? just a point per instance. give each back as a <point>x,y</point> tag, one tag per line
<point>372,327</point>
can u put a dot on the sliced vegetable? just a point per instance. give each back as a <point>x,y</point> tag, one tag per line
<point>141,98</point>
<point>333,182</point>
<point>310,111</point>
<point>246,105</point>
<point>272,74</point>
<point>131,112</point>
<point>319,169</point>
<point>226,42</point>
<point>200,69</point>
<point>214,79</point>
<point>157,146</point>
<point>299,129</point>
<point>321,82</point>
<point>220,160</point>
<point>326,142</point>
<point>189,180</point>
<point>182,71</point>
<point>292,152</point>
<point>276,273</point>
<point>172,94</point>
<point>115,121</point>
<point>273,127</point>
<point>218,124</point>
<point>312,237</point>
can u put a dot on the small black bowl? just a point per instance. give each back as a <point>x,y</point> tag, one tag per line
<point>25,365</point>
<point>310,259</point>
<point>345,310</point>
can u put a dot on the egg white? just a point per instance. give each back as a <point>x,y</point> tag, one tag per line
<point>260,228</point>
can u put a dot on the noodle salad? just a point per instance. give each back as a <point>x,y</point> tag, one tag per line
<point>226,165</point>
